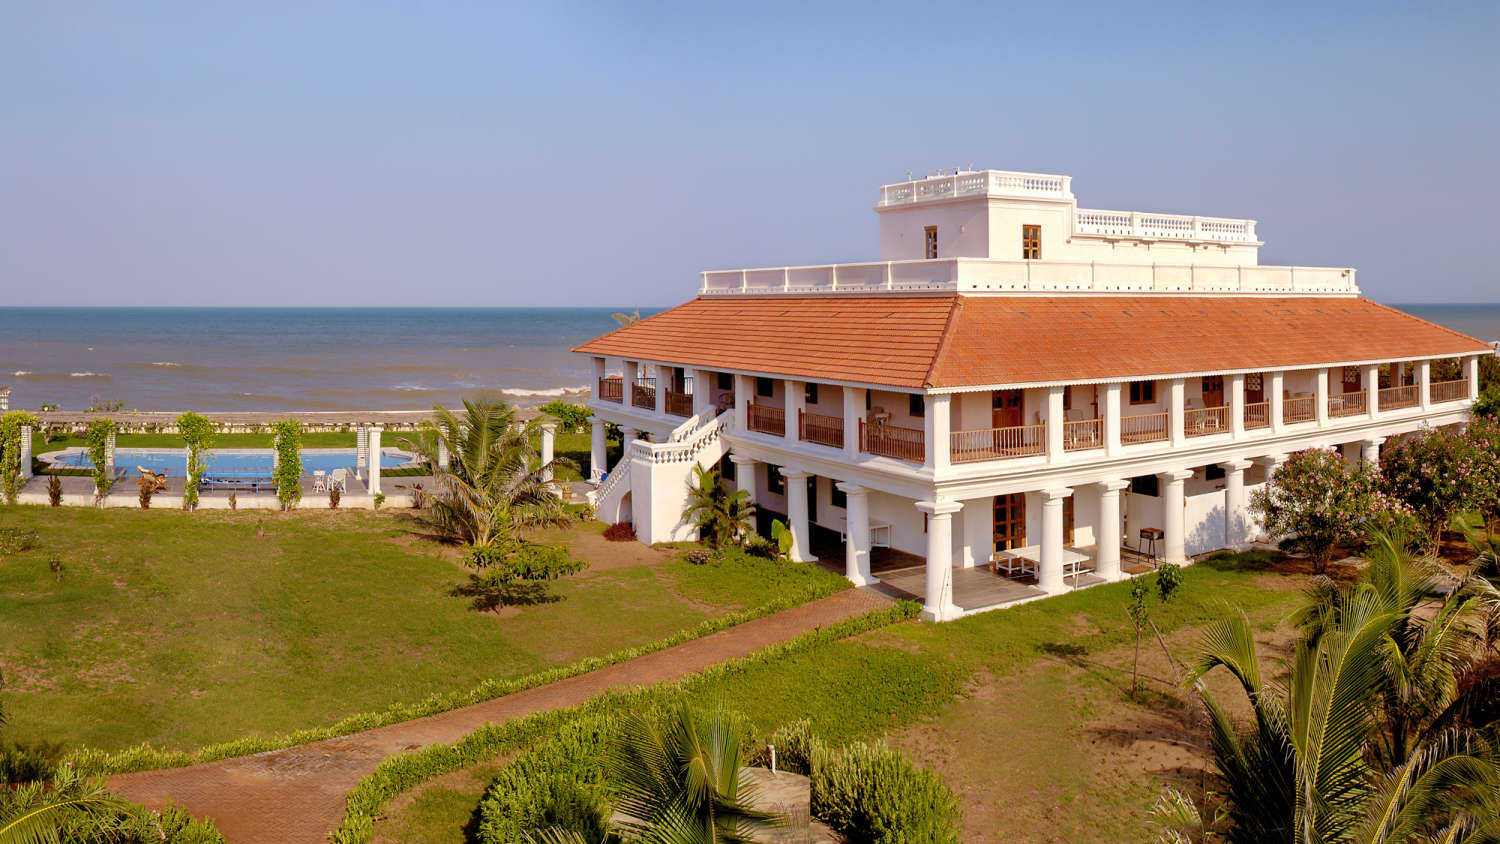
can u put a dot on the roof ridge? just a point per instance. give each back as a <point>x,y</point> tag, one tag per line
<point>943,340</point>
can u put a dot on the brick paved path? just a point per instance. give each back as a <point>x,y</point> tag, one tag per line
<point>297,794</point>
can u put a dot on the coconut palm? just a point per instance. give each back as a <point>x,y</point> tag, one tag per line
<point>722,516</point>
<point>493,480</point>
<point>627,319</point>
<point>36,813</point>
<point>678,781</point>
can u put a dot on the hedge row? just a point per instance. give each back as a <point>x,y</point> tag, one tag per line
<point>146,758</point>
<point>405,771</point>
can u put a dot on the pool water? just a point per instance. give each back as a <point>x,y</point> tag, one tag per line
<point>171,461</point>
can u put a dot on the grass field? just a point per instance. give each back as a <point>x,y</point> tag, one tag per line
<point>1026,712</point>
<point>186,629</point>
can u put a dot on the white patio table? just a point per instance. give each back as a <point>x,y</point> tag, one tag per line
<point>1026,559</point>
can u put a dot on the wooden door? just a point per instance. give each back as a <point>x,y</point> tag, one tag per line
<point>1005,408</point>
<point>1213,391</point>
<point>1351,379</point>
<point>1068,520</point>
<point>1010,521</point>
<point>1255,388</point>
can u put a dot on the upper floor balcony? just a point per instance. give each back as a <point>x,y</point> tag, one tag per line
<point>993,275</point>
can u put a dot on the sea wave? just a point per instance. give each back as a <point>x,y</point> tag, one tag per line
<point>89,375</point>
<point>23,373</point>
<point>555,392</point>
<point>164,363</point>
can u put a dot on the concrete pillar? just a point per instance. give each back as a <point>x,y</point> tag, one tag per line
<point>1370,450</point>
<point>937,602</point>
<point>109,455</point>
<point>744,388</point>
<point>1471,372</point>
<point>549,446</point>
<point>374,483</point>
<point>599,372</point>
<point>1177,415</point>
<point>796,514</point>
<point>632,373</point>
<point>796,400</point>
<point>1320,404</point>
<point>1237,405</point>
<point>1173,505</point>
<point>1236,508</point>
<point>1049,572</point>
<point>1372,391</point>
<point>443,457</point>
<point>854,413</point>
<point>977,544</point>
<point>1107,534</point>
<point>1277,398</point>
<point>936,426</point>
<point>745,474</point>
<point>598,449</point>
<point>857,531</point>
<point>1112,414</point>
<point>25,453</point>
<point>627,436</point>
<point>703,391</point>
<point>1424,383</point>
<point>1269,464</point>
<point>1053,420</point>
<point>4,399</point>
<point>361,451</point>
<point>663,383</point>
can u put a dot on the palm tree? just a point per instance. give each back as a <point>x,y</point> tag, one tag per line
<point>627,319</point>
<point>679,780</point>
<point>723,517</point>
<point>35,813</point>
<point>493,481</point>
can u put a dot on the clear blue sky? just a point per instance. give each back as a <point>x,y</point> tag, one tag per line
<point>567,154</point>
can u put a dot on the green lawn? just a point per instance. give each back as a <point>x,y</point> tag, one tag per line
<point>39,444</point>
<point>187,629</point>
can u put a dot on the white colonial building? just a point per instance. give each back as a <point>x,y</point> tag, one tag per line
<point>1018,391</point>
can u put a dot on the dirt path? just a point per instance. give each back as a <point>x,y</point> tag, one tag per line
<point>297,794</point>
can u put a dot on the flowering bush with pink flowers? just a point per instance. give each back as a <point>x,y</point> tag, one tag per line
<point>1438,473</point>
<point>1318,500</point>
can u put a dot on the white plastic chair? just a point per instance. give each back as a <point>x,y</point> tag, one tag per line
<point>320,481</point>
<point>340,479</point>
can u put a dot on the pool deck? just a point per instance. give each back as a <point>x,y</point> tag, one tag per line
<point>79,491</point>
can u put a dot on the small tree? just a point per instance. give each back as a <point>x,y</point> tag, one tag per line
<point>1483,434</point>
<point>1435,472</point>
<point>1318,500</point>
<point>288,441</point>
<point>10,450</point>
<point>722,517</point>
<point>98,436</point>
<point>1168,578</point>
<point>198,433</point>
<point>572,418</point>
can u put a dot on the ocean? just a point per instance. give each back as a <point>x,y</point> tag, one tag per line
<point>283,359</point>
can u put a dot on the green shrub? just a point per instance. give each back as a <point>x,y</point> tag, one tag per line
<point>28,761</point>
<point>10,451</point>
<point>288,444</point>
<point>143,826</point>
<point>560,782</point>
<point>571,417</point>
<point>871,793</point>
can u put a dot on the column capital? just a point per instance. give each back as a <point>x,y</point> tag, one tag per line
<point>550,427</point>
<point>594,420</point>
<point>1271,461</point>
<point>851,488</point>
<point>1175,475</point>
<point>793,473</point>
<point>741,459</point>
<point>1236,465</point>
<point>1049,495</point>
<point>1373,442</point>
<point>1115,484</point>
<point>939,508</point>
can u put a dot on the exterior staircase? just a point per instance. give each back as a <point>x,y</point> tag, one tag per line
<point>658,476</point>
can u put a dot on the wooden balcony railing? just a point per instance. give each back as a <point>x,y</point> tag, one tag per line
<point>821,429</point>
<point>893,441</point>
<point>1257,415</point>
<point>643,393</point>
<point>767,419</point>
<point>1303,409</point>
<point>679,404</point>
<point>1346,404</point>
<point>997,443</point>
<point>1395,398</point>
<point>612,389</point>
<point>1144,428</point>
<point>1204,421</point>
<point>1081,434</point>
<point>1442,391</point>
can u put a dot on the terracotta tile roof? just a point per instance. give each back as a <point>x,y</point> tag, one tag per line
<point>958,341</point>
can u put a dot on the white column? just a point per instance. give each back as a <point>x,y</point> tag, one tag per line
<point>109,455</point>
<point>599,371</point>
<point>1369,450</point>
<point>1471,371</point>
<point>632,372</point>
<point>979,532</point>
<point>1173,503</point>
<point>1112,418</point>
<point>1321,402</point>
<point>1236,510</point>
<point>1372,391</point>
<point>1177,415</point>
<point>598,449</point>
<point>937,425</point>
<point>796,400</point>
<point>1277,397</point>
<point>1107,533</point>
<point>1237,405</point>
<point>1269,464</point>
<point>796,514</point>
<point>1054,422</point>
<point>1424,383</point>
<point>627,436</point>
<point>1049,572</point>
<point>549,446</point>
<point>857,531</point>
<point>703,391</point>
<point>374,483</point>
<point>361,451</point>
<point>744,475</point>
<point>442,453</point>
<point>4,399</point>
<point>25,453</point>
<point>854,412</point>
<point>937,602</point>
<point>663,382</point>
<point>744,388</point>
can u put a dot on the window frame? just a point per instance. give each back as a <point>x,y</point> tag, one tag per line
<point>1137,393</point>
<point>929,242</point>
<point>809,392</point>
<point>916,405</point>
<point>765,388</point>
<point>775,483</point>
<point>1031,241</point>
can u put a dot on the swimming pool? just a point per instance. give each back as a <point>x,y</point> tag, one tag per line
<point>172,460</point>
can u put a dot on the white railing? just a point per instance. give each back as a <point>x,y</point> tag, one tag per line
<point>687,449</point>
<point>1163,226</point>
<point>976,183</point>
<point>615,478</point>
<point>981,275</point>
